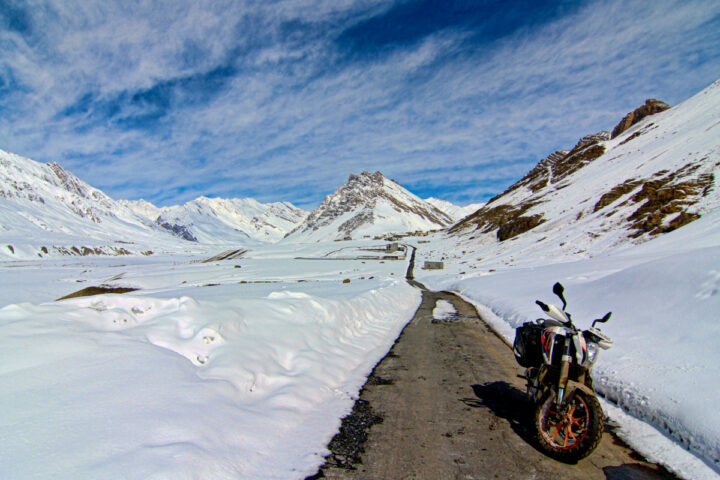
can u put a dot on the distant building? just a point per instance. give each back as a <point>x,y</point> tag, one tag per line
<point>433,266</point>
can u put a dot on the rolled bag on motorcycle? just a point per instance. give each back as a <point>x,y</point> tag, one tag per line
<point>571,429</point>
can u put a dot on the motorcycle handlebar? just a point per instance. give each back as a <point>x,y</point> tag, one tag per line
<point>602,320</point>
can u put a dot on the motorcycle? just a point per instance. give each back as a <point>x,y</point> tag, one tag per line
<point>568,420</point>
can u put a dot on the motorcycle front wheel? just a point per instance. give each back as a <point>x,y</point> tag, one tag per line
<point>571,433</point>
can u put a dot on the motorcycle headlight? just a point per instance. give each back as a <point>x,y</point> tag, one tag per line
<point>592,351</point>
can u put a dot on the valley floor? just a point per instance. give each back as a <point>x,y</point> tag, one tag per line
<point>243,368</point>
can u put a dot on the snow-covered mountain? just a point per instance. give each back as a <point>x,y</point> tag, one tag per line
<point>45,210</point>
<point>368,205</point>
<point>218,220</point>
<point>456,212</point>
<point>651,177</point>
<point>144,208</point>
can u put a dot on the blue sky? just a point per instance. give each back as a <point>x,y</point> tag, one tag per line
<point>282,100</point>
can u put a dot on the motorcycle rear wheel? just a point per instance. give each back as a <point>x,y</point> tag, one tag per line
<point>573,434</point>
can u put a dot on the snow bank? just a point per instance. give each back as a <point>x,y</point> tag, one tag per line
<point>137,387</point>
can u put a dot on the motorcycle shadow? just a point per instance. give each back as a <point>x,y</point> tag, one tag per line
<point>508,402</point>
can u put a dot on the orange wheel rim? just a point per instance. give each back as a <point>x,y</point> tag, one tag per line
<point>566,431</point>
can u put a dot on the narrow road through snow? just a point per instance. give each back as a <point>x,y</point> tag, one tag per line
<point>446,403</point>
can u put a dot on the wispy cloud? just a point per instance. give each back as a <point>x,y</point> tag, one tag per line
<point>282,100</point>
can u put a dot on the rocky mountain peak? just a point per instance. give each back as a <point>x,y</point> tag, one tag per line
<point>367,178</point>
<point>651,107</point>
<point>366,201</point>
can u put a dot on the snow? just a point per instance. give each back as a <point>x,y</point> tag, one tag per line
<point>684,140</point>
<point>45,211</point>
<point>144,208</point>
<point>239,220</point>
<point>239,380</point>
<point>243,368</point>
<point>456,212</point>
<point>443,310</point>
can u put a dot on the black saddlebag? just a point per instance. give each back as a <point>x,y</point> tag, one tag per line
<point>528,345</point>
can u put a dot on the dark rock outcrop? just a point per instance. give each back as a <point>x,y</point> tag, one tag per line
<point>517,226</point>
<point>651,107</point>
<point>181,231</point>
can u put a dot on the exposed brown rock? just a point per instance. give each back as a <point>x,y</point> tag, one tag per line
<point>560,164</point>
<point>493,218</point>
<point>616,192</point>
<point>667,196</point>
<point>517,226</point>
<point>509,220</point>
<point>537,178</point>
<point>578,157</point>
<point>105,250</point>
<point>645,206</point>
<point>101,290</point>
<point>651,107</point>
<point>631,137</point>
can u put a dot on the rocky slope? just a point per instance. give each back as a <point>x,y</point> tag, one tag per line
<point>45,210</point>
<point>656,173</point>
<point>368,205</point>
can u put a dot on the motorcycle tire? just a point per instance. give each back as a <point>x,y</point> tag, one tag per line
<point>573,435</point>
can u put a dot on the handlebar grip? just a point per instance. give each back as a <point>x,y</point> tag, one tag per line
<point>543,306</point>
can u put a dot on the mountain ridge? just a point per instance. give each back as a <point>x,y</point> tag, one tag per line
<point>655,173</point>
<point>46,210</point>
<point>219,220</point>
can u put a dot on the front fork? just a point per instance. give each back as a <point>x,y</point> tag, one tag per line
<point>564,372</point>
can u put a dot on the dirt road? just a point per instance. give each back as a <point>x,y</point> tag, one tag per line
<point>446,403</point>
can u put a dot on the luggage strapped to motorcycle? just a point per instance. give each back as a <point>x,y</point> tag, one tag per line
<point>528,344</point>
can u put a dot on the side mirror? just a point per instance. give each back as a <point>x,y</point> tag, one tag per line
<point>558,290</point>
<point>602,320</point>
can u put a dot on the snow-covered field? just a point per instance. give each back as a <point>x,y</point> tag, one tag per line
<point>232,369</point>
<point>665,299</point>
<point>242,368</point>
